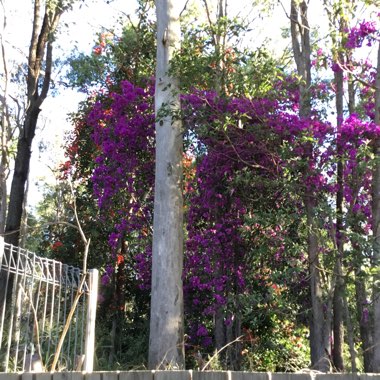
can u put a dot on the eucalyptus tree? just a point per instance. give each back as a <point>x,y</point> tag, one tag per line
<point>376,226</point>
<point>319,325</point>
<point>166,340</point>
<point>339,13</point>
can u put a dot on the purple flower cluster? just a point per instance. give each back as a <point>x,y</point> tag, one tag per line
<point>237,135</point>
<point>261,140</point>
<point>123,177</point>
<point>355,137</point>
<point>366,30</point>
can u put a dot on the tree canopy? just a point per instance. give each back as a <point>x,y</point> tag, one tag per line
<point>279,182</point>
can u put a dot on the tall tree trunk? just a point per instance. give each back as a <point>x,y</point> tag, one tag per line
<point>339,12</point>
<point>40,62</point>
<point>364,320</point>
<point>376,228</point>
<point>338,301</point>
<point>319,328</point>
<point>338,318</point>
<point>220,332</point>
<point>5,139</point>
<point>300,32</point>
<point>219,37</point>
<point>350,336</point>
<point>166,345</point>
<point>20,177</point>
<point>40,57</point>
<point>24,218</point>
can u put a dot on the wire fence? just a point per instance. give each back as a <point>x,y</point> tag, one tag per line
<point>36,297</point>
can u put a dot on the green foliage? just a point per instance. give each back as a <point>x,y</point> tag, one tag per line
<point>286,349</point>
<point>86,71</point>
<point>210,58</point>
<point>114,58</point>
<point>129,351</point>
<point>123,328</point>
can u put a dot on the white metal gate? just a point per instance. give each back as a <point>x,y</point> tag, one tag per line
<point>38,295</point>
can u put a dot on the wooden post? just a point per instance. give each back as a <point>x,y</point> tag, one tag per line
<point>93,279</point>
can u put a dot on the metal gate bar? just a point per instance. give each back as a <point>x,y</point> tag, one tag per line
<point>34,313</point>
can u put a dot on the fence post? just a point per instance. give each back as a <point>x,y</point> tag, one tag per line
<point>2,247</point>
<point>89,346</point>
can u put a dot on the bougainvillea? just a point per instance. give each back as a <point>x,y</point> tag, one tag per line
<point>123,177</point>
<point>244,148</point>
<point>229,139</point>
<point>242,155</point>
<point>356,137</point>
<point>365,31</point>
<point>250,162</point>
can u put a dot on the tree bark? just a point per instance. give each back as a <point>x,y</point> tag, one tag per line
<point>338,301</point>
<point>220,335</point>
<point>364,321</point>
<point>319,327</point>
<point>300,32</point>
<point>350,336</point>
<point>40,62</point>
<point>6,136</point>
<point>166,345</point>
<point>376,228</point>
<point>338,318</point>
<point>40,57</point>
<point>20,177</point>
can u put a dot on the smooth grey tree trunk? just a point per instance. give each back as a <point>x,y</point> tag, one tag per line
<point>348,319</point>
<point>364,320</point>
<point>376,229</point>
<point>319,328</point>
<point>166,345</point>
<point>338,302</point>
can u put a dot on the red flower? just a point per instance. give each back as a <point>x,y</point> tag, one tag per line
<point>97,50</point>
<point>57,245</point>
<point>119,259</point>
